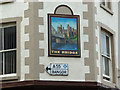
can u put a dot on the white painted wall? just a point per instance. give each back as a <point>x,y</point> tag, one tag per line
<point>119,44</point>
<point>16,9</point>
<point>112,22</point>
<point>77,69</point>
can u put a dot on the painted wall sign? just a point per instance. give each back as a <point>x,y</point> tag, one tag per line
<point>57,69</point>
<point>64,35</point>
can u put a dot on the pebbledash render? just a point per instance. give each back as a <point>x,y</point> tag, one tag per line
<point>28,59</point>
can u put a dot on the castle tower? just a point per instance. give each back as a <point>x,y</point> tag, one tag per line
<point>68,30</point>
<point>63,32</point>
<point>59,29</point>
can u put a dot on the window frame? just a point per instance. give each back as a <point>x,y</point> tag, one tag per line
<point>103,32</point>
<point>14,21</point>
<point>8,50</point>
<point>109,58</point>
<point>106,7</point>
<point>106,3</point>
<point>112,33</point>
<point>6,1</point>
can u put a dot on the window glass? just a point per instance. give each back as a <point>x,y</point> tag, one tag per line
<point>0,39</point>
<point>105,66</point>
<point>108,46</point>
<point>8,50</point>
<point>102,43</point>
<point>103,2</point>
<point>1,64</point>
<point>106,3</point>
<point>105,44</point>
<point>10,38</point>
<point>109,5</point>
<point>10,62</point>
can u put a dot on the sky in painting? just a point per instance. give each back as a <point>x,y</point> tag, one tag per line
<point>57,21</point>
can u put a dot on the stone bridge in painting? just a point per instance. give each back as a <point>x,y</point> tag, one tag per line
<point>59,38</point>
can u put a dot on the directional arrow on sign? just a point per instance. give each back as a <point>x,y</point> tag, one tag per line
<point>57,69</point>
<point>48,68</point>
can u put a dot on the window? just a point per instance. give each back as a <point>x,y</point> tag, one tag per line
<point>8,50</point>
<point>106,3</point>
<point>6,1</point>
<point>106,55</point>
<point>103,2</point>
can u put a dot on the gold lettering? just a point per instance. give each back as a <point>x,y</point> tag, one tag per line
<point>55,51</point>
<point>52,51</point>
<point>76,52</point>
<point>66,52</point>
<point>58,51</point>
<point>70,52</point>
<point>63,52</point>
<point>73,52</point>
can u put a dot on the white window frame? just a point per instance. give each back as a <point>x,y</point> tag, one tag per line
<point>106,3</point>
<point>6,1</point>
<point>2,51</point>
<point>108,57</point>
<point>103,1</point>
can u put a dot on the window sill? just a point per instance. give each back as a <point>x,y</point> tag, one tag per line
<point>6,1</point>
<point>9,77</point>
<point>108,83</point>
<point>106,9</point>
<point>106,78</point>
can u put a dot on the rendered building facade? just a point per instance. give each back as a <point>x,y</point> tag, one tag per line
<point>32,44</point>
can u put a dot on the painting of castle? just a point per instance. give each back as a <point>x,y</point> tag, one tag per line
<point>64,33</point>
